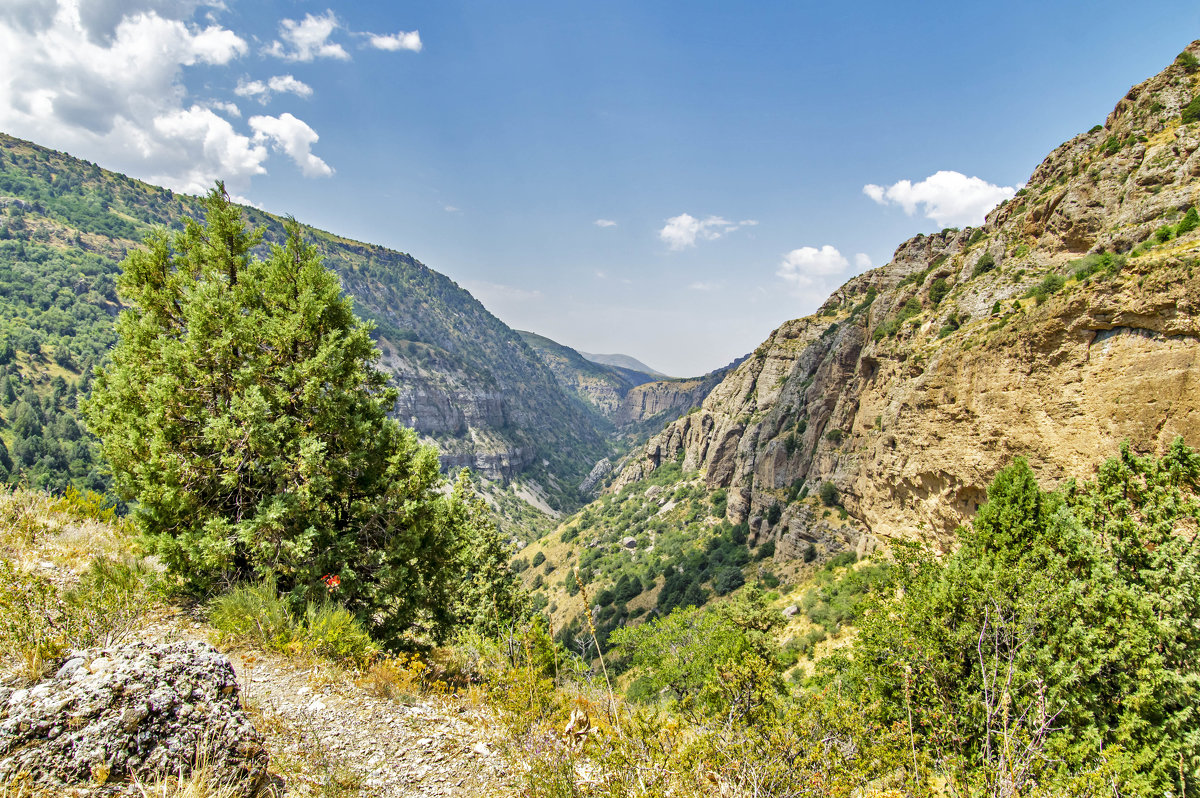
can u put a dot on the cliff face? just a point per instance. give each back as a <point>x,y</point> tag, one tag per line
<point>1067,323</point>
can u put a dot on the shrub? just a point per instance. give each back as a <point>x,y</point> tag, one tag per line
<point>538,559</point>
<point>938,290</point>
<point>1164,234</point>
<point>1050,284</point>
<point>774,513</point>
<point>1189,222</point>
<point>256,615</point>
<point>985,264</point>
<point>1188,62</point>
<point>835,436</point>
<point>1191,111</point>
<point>727,580</point>
<point>829,494</point>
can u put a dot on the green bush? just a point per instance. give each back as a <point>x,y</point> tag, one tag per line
<point>538,559</point>
<point>1191,111</point>
<point>257,615</point>
<point>1189,222</point>
<point>835,436</point>
<point>938,290</point>
<point>1188,62</point>
<point>727,580</point>
<point>828,494</point>
<point>985,264</point>
<point>1050,284</point>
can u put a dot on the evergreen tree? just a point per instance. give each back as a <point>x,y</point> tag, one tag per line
<point>1064,627</point>
<point>490,597</point>
<point>242,412</point>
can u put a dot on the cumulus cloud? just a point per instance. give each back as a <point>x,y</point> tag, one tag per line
<point>806,266</point>
<point>951,199</point>
<point>684,230</point>
<point>308,39</point>
<point>604,223</point>
<point>862,261</point>
<point>294,137</point>
<point>279,84</point>
<point>104,80</point>
<point>404,40</point>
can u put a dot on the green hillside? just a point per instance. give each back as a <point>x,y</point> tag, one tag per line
<point>467,381</point>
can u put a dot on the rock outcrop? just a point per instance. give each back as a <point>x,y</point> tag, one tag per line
<point>139,710</point>
<point>1043,333</point>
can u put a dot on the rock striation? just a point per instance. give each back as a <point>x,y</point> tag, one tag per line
<point>1066,323</point>
<point>140,710</point>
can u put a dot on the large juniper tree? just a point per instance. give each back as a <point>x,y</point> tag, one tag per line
<point>242,413</point>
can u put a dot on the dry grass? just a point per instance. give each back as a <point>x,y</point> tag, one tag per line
<point>66,533</point>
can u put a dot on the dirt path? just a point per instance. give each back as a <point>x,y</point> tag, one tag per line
<point>328,736</point>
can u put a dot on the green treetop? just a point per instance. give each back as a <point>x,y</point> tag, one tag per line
<point>242,412</point>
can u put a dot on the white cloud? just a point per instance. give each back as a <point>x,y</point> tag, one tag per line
<point>279,84</point>
<point>805,266</point>
<point>103,80</point>
<point>404,40</point>
<point>682,231</point>
<point>862,261</point>
<point>308,39</point>
<point>951,199</point>
<point>229,108</point>
<point>703,286</point>
<point>451,209</point>
<point>295,138</point>
<point>604,223</point>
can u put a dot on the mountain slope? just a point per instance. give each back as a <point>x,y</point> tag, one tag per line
<point>467,381</point>
<point>1065,324</point>
<point>637,403</point>
<point>624,362</point>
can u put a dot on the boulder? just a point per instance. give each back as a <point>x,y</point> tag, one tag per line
<point>138,710</point>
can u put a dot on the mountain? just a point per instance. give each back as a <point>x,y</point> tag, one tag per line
<point>632,404</point>
<point>467,382</point>
<point>624,362</point>
<point>1065,324</point>
<point>600,386</point>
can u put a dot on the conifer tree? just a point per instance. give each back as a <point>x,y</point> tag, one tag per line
<point>242,412</point>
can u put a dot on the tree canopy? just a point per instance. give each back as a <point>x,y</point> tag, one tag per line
<point>242,412</point>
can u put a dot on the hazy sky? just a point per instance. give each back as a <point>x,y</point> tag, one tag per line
<point>670,180</point>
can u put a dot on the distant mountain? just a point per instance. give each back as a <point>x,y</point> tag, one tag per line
<point>467,381</point>
<point>625,362</point>
<point>632,403</point>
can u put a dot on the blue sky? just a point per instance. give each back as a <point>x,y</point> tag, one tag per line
<point>671,180</point>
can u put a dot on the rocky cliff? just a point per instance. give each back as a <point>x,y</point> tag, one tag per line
<point>1067,323</point>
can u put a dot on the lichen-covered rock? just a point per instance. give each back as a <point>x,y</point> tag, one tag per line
<point>141,709</point>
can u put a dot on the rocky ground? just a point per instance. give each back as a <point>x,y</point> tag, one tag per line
<point>327,735</point>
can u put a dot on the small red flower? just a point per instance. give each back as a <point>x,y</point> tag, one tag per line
<point>332,581</point>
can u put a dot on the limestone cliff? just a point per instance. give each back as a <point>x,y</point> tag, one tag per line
<point>1067,323</point>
